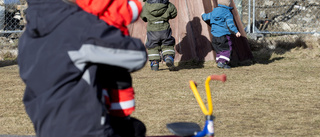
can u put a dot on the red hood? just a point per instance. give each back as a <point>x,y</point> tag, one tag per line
<point>118,13</point>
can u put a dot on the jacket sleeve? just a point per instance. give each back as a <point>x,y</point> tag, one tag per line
<point>206,16</point>
<point>104,44</point>
<point>143,14</point>
<point>173,10</point>
<point>230,23</point>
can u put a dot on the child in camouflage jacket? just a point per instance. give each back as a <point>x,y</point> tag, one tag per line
<point>159,34</point>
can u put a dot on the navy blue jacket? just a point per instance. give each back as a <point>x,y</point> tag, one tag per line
<point>60,53</point>
<point>221,20</point>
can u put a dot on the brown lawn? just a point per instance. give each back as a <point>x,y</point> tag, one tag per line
<point>277,96</point>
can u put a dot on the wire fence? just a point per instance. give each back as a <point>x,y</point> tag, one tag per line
<point>258,17</point>
<point>11,21</point>
<point>281,17</point>
<point>11,16</point>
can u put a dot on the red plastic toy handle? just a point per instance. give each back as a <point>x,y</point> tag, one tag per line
<point>222,77</point>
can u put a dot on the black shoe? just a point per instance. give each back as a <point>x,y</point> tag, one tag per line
<point>154,65</point>
<point>223,65</point>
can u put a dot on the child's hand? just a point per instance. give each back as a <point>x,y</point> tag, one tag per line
<point>238,34</point>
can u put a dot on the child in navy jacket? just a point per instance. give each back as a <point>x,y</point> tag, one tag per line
<point>67,59</point>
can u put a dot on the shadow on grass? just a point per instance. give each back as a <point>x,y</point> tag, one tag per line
<point>263,51</point>
<point>191,64</point>
<point>5,63</point>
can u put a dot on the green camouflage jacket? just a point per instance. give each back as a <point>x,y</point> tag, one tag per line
<point>158,13</point>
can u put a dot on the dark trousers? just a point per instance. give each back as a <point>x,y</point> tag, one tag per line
<point>223,48</point>
<point>160,42</point>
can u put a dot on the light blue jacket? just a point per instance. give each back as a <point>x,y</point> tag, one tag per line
<point>221,21</point>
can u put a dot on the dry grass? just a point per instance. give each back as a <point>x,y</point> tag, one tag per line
<point>277,96</point>
<point>276,99</point>
<point>13,119</point>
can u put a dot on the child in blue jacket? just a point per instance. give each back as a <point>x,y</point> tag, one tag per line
<point>222,26</point>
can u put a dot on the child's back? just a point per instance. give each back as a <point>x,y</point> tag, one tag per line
<point>159,34</point>
<point>221,20</point>
<point>222,26</point>
<point>157,13</point>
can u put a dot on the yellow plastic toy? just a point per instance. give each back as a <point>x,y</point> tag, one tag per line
<point>189,129</point>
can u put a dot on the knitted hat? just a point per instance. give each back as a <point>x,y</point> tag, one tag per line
<point>224,2</point>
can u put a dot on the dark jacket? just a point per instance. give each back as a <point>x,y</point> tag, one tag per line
<point>60,54</point>
<point>221,20</point>
<point>158,13</point>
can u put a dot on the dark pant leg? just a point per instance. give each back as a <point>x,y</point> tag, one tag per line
<point>168,43</point>
<point>222,46</point>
